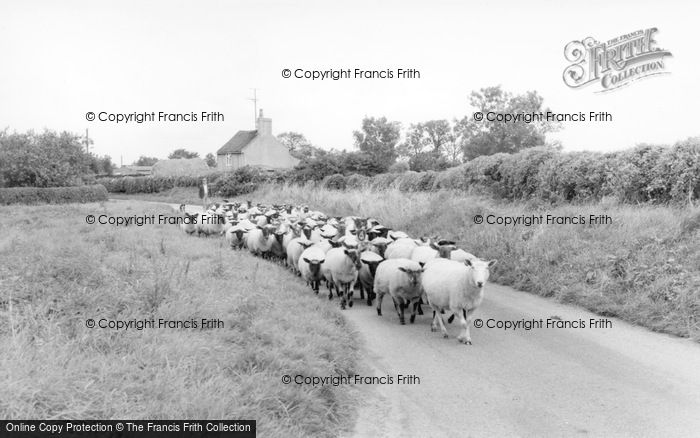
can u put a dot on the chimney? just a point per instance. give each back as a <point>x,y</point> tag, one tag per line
<point>263,125</point>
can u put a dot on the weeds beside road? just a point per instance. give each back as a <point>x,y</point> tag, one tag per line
<point>56,272</point>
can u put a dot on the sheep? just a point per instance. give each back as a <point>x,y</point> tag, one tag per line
<point>235,236</point>
<point>277,250</point>
<point>259,240</point>
<point>400,278</point>
<point>261,220</point>
<point>460,255</point>
<point>456,287</point>
<point>189,224</point>
<point>294,250</point>
<point>210,224</point>
<point>400,250</point>
<point>442,249</point>
<point>292,233</point>
<point>340,269</point>
<point>309,265</point>
<point>379,245</point>
<point>370,261</point>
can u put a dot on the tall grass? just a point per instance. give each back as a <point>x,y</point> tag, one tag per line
<point>56,271</point>
<point>644,268</point>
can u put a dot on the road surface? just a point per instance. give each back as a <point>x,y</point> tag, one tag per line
<point>616,381</point>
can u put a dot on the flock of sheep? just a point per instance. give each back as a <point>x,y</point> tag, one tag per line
<point>345,252</point>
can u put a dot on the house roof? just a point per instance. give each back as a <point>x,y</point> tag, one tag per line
<point>237,142</point>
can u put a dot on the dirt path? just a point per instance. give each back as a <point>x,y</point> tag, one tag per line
<point>619,381</point>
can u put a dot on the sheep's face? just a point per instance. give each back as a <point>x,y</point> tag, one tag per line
<point>413,275</point>
<point>480,271</point>
<point>307,232</point>
<point>444,251</point>
<point>372,266</point>
<point>381,248</point>
<point>314,265</point>
<point>354,255</point>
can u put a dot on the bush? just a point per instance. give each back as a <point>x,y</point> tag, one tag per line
<point>334,182</point>
<point>357,181</point>
<point>52,195</point>
<point>239,182</point>
<point>399,167</point>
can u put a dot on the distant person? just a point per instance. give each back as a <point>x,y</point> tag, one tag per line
<point>204,193</point>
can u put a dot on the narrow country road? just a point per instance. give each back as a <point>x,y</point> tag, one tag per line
<point>618,381</point>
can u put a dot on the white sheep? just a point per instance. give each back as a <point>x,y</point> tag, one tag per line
<point>259,240</point>
<point>235,236</point>
<point>401,249</point>
<point>400,278</point>
<point>340,269</point>
<point>309,264</point>
<point>294,249</point>
<point>424,254</point>
<point>455,287</point>
<point>210,224</point>
<point>460,255</point>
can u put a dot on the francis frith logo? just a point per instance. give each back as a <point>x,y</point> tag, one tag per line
<point>616,62</point>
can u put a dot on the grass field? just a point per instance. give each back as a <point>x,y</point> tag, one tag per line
<point>56,271</point>
<point>644,268</point>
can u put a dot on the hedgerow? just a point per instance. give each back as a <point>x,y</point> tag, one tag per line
<point>52,195</point>
<point>644,174</point>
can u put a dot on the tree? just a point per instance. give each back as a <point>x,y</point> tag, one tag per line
<point>101,165</point>
<point>378,138</point>
<point>49,159</point>
<point>430,146</point>
<point>299,147</point>
<point>210,159</point>
<point>183,153</point>
<point>145,161</point>
<point>491,137</point>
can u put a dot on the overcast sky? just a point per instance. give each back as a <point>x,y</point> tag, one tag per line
<point>63,59</point>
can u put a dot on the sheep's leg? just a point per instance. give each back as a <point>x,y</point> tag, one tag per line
<point>399,306</point>
<point>417,305</point>
<point>330,289</point>
<point>466,320</point>
<point>341,293</point>
<point>370,296</point>
<point>362,291</point>
<point>380,297</point>
<point>413,313</point>
<point>441,323</point>
<point>349,292</point>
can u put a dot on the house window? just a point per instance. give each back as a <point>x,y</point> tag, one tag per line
<point>228,160</point>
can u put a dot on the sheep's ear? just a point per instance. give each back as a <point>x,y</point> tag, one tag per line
<point>347,252</point>
<point>402,269</point>
<point>492,262</point>
<point>468,262</point>
<point>366,262</point>
<point>422,264</point>
<point>259,227</point>
<point>307,260</point>
<point>434,246</point>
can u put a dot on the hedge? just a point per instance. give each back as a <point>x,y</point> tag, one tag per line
<point>52,195</point>
<point>647,173</point>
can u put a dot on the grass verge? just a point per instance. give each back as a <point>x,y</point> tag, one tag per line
<point>56,272</point>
